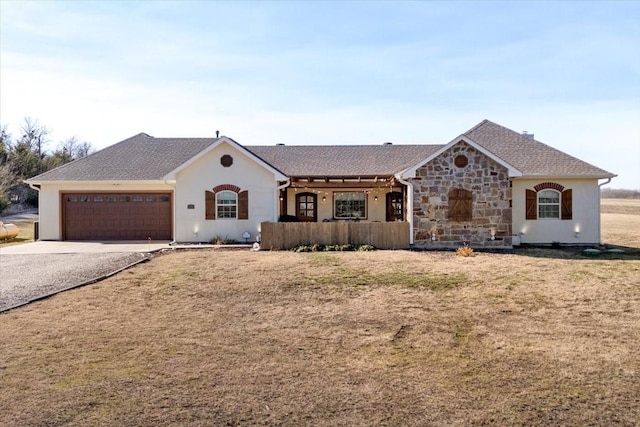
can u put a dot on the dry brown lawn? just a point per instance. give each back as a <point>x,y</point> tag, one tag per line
<point>534,337</point>
<point>620,222</point>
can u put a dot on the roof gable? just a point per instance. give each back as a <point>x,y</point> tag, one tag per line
<point>279,176</point>
<point>411,171</point>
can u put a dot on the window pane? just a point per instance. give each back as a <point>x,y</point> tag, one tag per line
<point>548,204</point>
<point>227,202</point>
<point>350,205</point>
<point>548,196</point>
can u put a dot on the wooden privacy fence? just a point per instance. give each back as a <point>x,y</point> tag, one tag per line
<point>382,235</point>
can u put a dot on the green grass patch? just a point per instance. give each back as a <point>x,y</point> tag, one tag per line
<point>430,281</point>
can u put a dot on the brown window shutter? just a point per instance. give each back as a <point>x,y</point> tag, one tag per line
<point>567,204</point>
<point>460,205</point>
<point>532,205</point>
<point>210,205</point>
<point>243,205</point>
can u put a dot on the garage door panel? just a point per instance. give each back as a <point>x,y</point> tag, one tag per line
<point>117,216</point>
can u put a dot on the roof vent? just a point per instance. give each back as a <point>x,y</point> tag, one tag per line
<point>280,144</point>
<point>527,135</point>
<point>387,143</point>
<point>217,134</point>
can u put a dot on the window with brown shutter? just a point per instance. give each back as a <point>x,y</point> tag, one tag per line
<point>531,205</point>
<point>210,205</point>
<point>567,204</point>
<point>460,205</point>
<point>243,205</point>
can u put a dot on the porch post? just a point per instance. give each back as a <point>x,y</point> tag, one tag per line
<point>276,204</point>
<point>409,207</point>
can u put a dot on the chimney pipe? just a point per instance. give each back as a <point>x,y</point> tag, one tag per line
<point>217,134</point>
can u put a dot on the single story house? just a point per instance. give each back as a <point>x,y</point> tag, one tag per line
<point>488,186</point>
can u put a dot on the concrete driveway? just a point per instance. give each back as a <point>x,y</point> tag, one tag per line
<point>56,247</point>
<point>33,271</point>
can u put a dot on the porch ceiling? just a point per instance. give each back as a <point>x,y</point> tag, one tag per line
<point>343,181</point>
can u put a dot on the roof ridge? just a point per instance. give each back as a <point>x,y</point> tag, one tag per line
<point>482,123</point>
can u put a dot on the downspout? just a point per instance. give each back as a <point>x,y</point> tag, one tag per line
<point>599,213</point>
<point>605,183</point>
<point>409,205</point>
<point>277,198</point>
<point>37,187</point>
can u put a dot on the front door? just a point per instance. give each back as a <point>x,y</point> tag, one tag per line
<point>395,206</point>
<point>307,207</point>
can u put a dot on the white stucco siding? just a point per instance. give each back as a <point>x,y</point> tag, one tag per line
<point>50,211</point>
<point>205,174</point>
<point>585,219</point>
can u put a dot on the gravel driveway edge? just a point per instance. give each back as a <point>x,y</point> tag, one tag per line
<point>146,258</point>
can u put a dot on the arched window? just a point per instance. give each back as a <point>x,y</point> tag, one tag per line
<point>549,200</point>
<point>227,204</point>
<point>548,204</point>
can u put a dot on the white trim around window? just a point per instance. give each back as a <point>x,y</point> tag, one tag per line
<point>226,205</point>
<point>549,204</point>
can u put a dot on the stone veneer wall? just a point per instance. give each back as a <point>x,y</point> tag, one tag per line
<point>489,183</point>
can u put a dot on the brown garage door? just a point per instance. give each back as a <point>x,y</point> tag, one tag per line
<point>116,216</point>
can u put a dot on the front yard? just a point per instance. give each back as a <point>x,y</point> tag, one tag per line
<point>539,337</point>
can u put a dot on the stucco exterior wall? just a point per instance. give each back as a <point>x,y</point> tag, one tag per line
<point>50,211</point>
<point>376,209</point>
<point>585,219</point>
<point>206,173</point>
<point>487,180</point>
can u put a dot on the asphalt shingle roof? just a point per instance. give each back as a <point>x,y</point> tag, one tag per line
<point>343,160</point>
<point>531,157</point>
<point>145,158</point>
<point>139,158</point>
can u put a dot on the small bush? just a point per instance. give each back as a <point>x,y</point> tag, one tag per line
<point>222,241</point>
<point>332,248</point>
<point>464,250</point>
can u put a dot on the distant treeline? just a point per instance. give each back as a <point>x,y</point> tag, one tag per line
<point>619,193</point>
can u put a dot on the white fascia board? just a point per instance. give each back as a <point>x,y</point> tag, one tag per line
<point>551,177</point>
<point>278,176</point>
<point>411,172</point>
<point>112,182</point>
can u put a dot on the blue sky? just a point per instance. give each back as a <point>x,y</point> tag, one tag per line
<point>329,72</point>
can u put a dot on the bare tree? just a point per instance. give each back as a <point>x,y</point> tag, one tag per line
<point>72,149</point>
<point>7,179</point>
<point>84,149</point>
<point>34,135</point>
